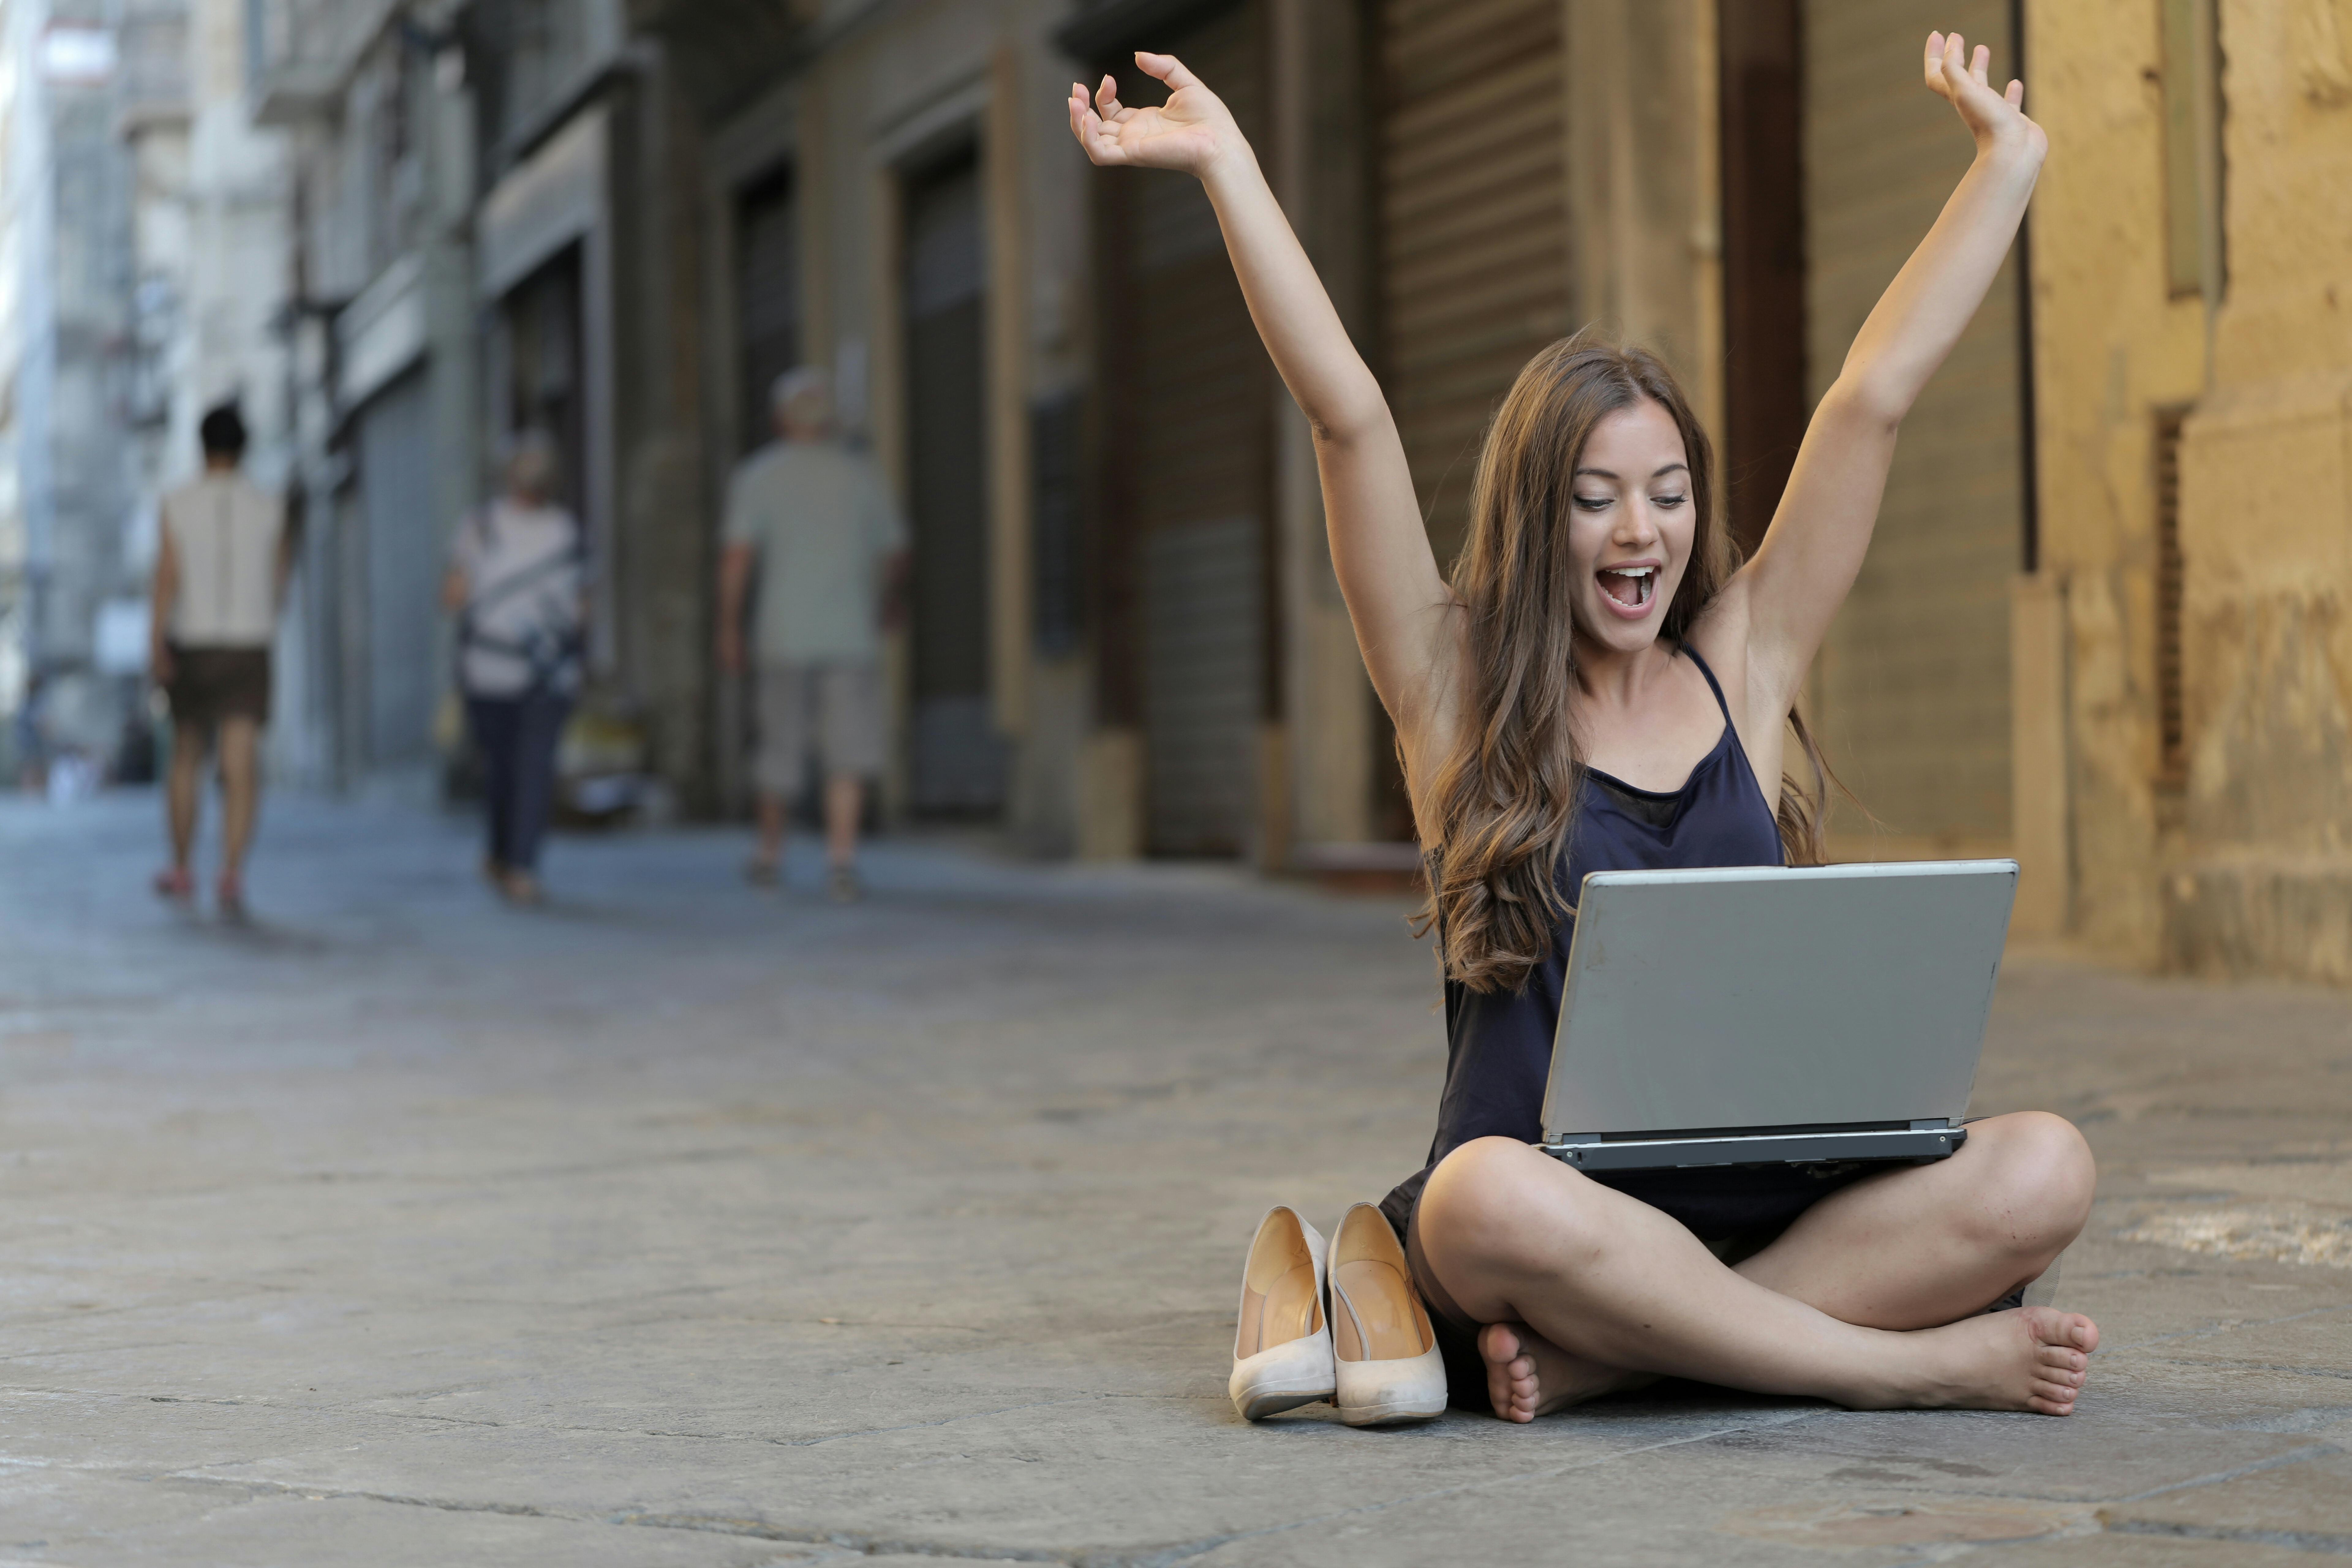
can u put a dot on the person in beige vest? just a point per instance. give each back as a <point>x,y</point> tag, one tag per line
<point>221,568</point>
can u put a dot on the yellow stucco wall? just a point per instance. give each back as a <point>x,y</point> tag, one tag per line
<point>2264,879</point>
<point>2246,868</point>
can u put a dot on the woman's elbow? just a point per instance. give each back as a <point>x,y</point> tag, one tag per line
<point>1343,425</point>
<point>1878,400</point>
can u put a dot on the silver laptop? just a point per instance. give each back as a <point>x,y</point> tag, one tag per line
<point>1761,1014</point>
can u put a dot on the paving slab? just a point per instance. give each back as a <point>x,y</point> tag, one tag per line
<point>685,1223</point>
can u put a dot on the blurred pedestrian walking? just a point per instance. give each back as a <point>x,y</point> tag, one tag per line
<point>518,584</point>
<point>222,563</point>
<point>830,553</point>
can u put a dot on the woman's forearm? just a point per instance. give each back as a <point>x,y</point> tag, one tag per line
<point>1310,347</point>
<point>1934,297</point>
<point>1379,549</point>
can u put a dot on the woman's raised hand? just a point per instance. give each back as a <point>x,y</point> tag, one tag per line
<point>1992,117</point>
<point>1188,134</point>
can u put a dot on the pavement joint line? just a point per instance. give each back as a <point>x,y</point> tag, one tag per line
<point>1183,1551</point>
<point>2295,1540</point>
<point>1145,1557</point>
<point>488,1425</point>
<point>2265,1366</point>
<point>337,1494</point>
<point>2228,1327</point>
<point>2304,1454</point>
<point>865,1545</point>
<point>87,1350</point>
<point>920,1425</point>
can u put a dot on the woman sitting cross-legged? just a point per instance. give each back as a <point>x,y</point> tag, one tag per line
<point>1602,684</point>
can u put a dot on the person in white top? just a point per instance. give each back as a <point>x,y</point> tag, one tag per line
<point>517,583</point>
<point>222,563</point>
<point>811,519</point>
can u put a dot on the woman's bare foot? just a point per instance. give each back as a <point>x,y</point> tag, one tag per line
<point>1527,1375</point>
<point>2029,1358</point>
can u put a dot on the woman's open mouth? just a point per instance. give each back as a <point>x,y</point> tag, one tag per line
<point>1628,589</point>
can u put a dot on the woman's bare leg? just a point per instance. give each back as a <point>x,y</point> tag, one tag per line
<point>1925,1245</point>
<point>1585,1288</point>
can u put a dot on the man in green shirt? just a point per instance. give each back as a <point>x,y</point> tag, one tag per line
<point>811,520</point>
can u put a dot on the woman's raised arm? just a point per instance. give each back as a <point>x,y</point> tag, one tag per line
<point>1801,574</point>
<point>1378,547</point>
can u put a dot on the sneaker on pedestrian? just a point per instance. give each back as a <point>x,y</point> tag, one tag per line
<point>842,887</point>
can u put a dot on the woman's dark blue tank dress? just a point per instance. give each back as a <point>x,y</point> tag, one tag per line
<point>1498,1044</point>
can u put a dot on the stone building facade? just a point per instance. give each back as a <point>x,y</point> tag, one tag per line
<point>67,574</point>
<point>2185,668</point>
<point>369,99</point>
<point>1125,637</point>
<point>210,227</point>
<point>2100,628</point>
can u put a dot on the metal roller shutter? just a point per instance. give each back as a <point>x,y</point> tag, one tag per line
<point>1194,464</point>
<point>1472,227</point>
<point>1913,680</point>
<point>958,756</point>
<point>403,573</point>
<point>769,250</point>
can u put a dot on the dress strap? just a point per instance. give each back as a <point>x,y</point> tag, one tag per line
<point>1712,685</point>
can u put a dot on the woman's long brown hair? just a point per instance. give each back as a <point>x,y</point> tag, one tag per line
<point>1502,803</point>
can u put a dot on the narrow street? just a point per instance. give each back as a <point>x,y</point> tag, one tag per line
<point>684,1223</point>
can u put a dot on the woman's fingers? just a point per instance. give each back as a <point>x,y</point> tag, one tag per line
<point>1952,69</point>
<point>1167,69</point>
<point>1101,143</point>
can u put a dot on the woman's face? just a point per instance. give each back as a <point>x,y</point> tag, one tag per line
<point>1631,525</point>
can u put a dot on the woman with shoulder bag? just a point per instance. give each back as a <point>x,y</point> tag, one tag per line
<point>517,583</point>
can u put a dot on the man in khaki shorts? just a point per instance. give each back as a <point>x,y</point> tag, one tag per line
<point>811,519</point>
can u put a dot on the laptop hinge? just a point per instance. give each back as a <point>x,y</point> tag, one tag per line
<point>1589,1152</point>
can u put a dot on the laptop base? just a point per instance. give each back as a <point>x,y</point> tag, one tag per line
<point>1763,1147</point>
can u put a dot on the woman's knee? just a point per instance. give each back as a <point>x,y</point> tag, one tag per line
<point>1484,1201</point>
<point>2040,1180</point>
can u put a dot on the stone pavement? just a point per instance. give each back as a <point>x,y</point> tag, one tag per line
<point>682,1224</point>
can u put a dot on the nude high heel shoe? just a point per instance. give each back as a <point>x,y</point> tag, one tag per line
<point>1282,1351</point>
<point>1389,1365</point>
